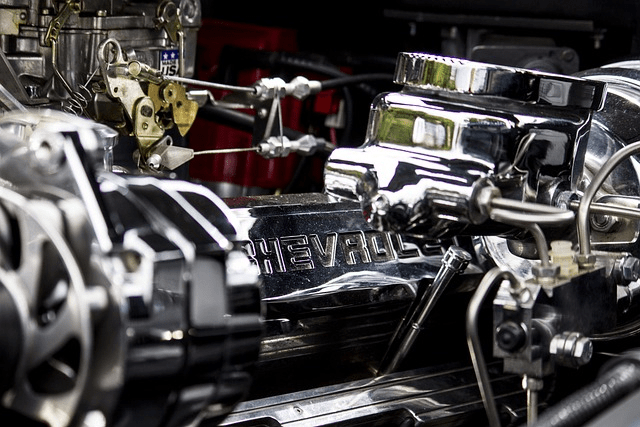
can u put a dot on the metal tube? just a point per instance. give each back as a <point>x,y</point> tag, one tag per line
<point>493,277</point>
<point>181,61</point>
<point>583,211</point>
<point>533,212</point>
<point>54,65</point>
<point>10,101</point>
<point>532,406</point>
<point>226,151</point>
<point>609,209</point>
<point>511,218</point>
<point>212,85</point>
<point>455,261</point>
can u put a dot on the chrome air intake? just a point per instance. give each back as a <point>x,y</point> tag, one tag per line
<point>458,127</point>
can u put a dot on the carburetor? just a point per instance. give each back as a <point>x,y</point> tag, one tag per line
<point>49,47</point>
<point>98,58</point>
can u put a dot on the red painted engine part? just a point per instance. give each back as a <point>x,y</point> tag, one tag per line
<point>244,169</point>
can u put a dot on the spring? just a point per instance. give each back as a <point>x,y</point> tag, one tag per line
<point>79,100</point>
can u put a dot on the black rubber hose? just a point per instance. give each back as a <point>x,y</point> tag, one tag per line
<point>289,60</point>
<point>611,386</point>
<point>238,120</point>
<point>245,122</point>
<point>358,78</point>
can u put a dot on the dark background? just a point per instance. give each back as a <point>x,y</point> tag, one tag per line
<point>599,31</point>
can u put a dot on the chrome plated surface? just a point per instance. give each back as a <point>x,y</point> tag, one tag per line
<point>333,287</point>
<point>175,300</point>
<point>428,154</point>
<point>129,290</point>
<point>419,397</point>
<point>454,261</point>
<point>424,71</point>
<point>614,128</point>
<point>310,249</point>
<point>48,291</point>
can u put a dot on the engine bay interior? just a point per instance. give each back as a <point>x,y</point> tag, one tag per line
<point>408,213</point>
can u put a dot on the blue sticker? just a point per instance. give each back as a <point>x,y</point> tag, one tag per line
<point>170,62</point>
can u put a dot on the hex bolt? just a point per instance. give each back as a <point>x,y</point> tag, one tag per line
<point>631,269</point>
<point>379,205</point>
<point>571,349</point>
<point>603,223</point>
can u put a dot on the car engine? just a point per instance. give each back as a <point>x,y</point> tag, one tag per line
<point>220,215</point>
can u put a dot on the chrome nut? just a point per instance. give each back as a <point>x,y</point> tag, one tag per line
<point>301,87</point>
<point>483,198</point>
<point>270,88</point>
<point>586,260</point>
<point>549,272</point>
<point>631,269</point>
<point>571,349</point>
<point>154,161</point>
<point>582,351</point>
<point>530,383</point>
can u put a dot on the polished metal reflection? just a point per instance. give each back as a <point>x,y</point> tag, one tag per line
<point>455,261</point>
<point>139,281</point>
<point>614,128</point>
<point>429,152</point>
<point>426,71</point>
<point>444,396</point>
<point>47,268</point>
<point>329,282</point>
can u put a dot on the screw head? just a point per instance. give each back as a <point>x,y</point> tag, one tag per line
<point>510,336</point>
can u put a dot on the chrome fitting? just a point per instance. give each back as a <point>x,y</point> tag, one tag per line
<point>586,260</point>
<point>571,349</point>
<point>550,272</point>
<point>630,268</point>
